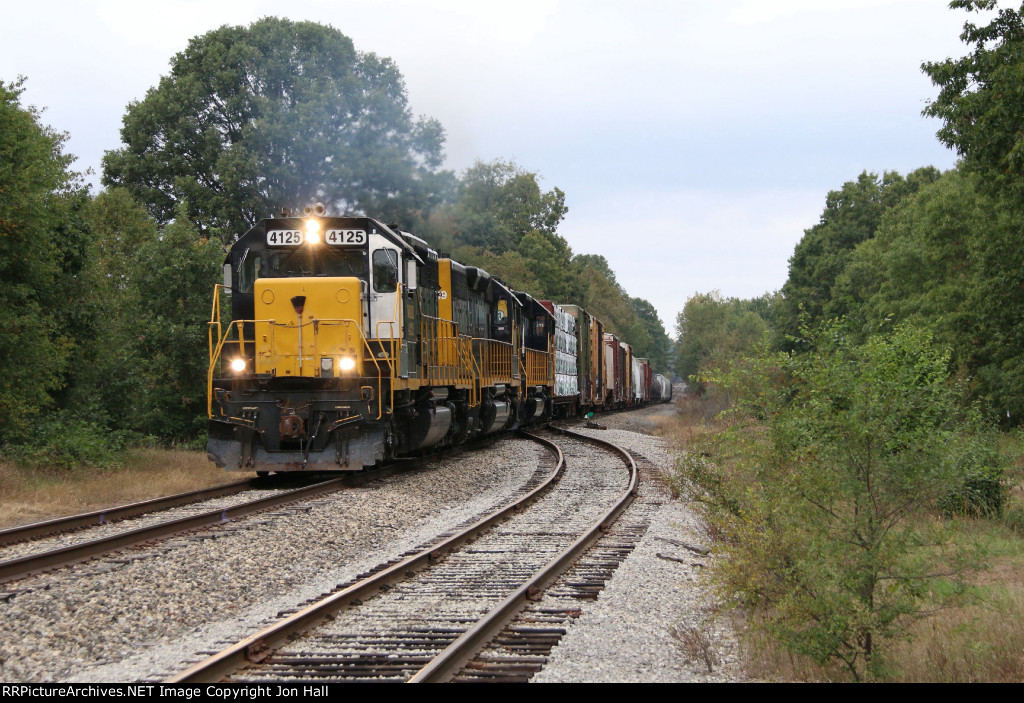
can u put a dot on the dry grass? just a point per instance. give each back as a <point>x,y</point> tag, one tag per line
<point>698,642</point>
<point>31,495</point>
<point>981,640</point>
<point>979,643</point>
<point>695,416</point>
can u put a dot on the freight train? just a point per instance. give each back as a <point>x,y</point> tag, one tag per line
<point>351,342</point>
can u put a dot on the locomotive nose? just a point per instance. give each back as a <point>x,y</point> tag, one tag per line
<point>308,327</point>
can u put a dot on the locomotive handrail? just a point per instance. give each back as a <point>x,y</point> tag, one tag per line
<point>216,352</point>
<point>539,371</point>
<point>214,321</point>
<point>466,351</point>
<point>446,355</point>
<point>214,317</point>
<point>394,360</point>
<point>494,364</point>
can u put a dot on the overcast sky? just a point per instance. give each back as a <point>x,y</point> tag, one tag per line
<point>695,141</point>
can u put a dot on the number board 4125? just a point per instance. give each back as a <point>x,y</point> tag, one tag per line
<point>284,237</point>
<point>342,237</point>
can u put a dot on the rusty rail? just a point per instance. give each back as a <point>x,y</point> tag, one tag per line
<point>257,646</point>
<point>444,666</point>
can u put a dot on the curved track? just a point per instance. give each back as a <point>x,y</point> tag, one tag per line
<point>436,608</point>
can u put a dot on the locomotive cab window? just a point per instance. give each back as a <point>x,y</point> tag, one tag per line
<point>502,311</point>
<point>248,272</point>
<point>539,328</point>
<point>309,262</point>
<point>385,270</point>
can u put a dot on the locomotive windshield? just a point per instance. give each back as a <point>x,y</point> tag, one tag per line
<point>308,261</point>
<point>301,262</point>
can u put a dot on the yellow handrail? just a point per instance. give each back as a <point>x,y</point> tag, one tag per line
<point>497,361</point>
<point>238,325</point>
<point>445,354</point>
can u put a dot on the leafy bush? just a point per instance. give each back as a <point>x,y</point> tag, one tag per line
<point>819,489</point>
<point>981,492</point>
<point>980,488</point>
<point>67,443</point>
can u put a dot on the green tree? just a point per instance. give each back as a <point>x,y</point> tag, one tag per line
<point>597,264</point>
<point>824,491</point>
<point>41,245</point>
<point>948,258</point>
<point>922,265</point>
<point>998,297</point>
<point>604,298</point>
<point>177,272</point>
<point>981,105</point>
<point>851,216</point>
<point>277,114</point>
<point>550,258</point>
<point>714,329</point>
<point>980,101</point>
<point>657,352</point>
<point>105,377</point>
<point>499,203</point>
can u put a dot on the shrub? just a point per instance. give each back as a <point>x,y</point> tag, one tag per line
<point>819,489</point>
<point>66,443</point>
<point>981,493</point>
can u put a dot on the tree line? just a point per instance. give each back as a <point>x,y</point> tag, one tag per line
<point>939,250</point>
<point>104,298</point>
<point>866,393</point>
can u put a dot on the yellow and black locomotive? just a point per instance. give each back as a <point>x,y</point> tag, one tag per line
<point>351,342</point>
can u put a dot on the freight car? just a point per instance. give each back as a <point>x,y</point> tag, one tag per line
<point>661,389</point>
<point>350,342</point>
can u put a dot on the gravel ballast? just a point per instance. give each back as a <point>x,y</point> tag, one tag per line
<point>652,621</point>
<point>145,614</point>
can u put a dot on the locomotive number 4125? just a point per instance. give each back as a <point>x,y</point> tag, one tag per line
<point>345,236</point>
<point>335,237</point>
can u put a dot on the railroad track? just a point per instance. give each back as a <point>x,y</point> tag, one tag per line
<point>33,559</point>
<point>107,516</point>
<point>429,614</point>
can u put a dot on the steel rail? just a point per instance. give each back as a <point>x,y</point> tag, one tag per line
<point>446,664</point>
<point>258,646</point>
<point>46,528</point>
<point>65,556</point>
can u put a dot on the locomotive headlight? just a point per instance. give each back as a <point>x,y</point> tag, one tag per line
<point>238,365</point>
<point>312,231</point>
<point>347,363</point>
